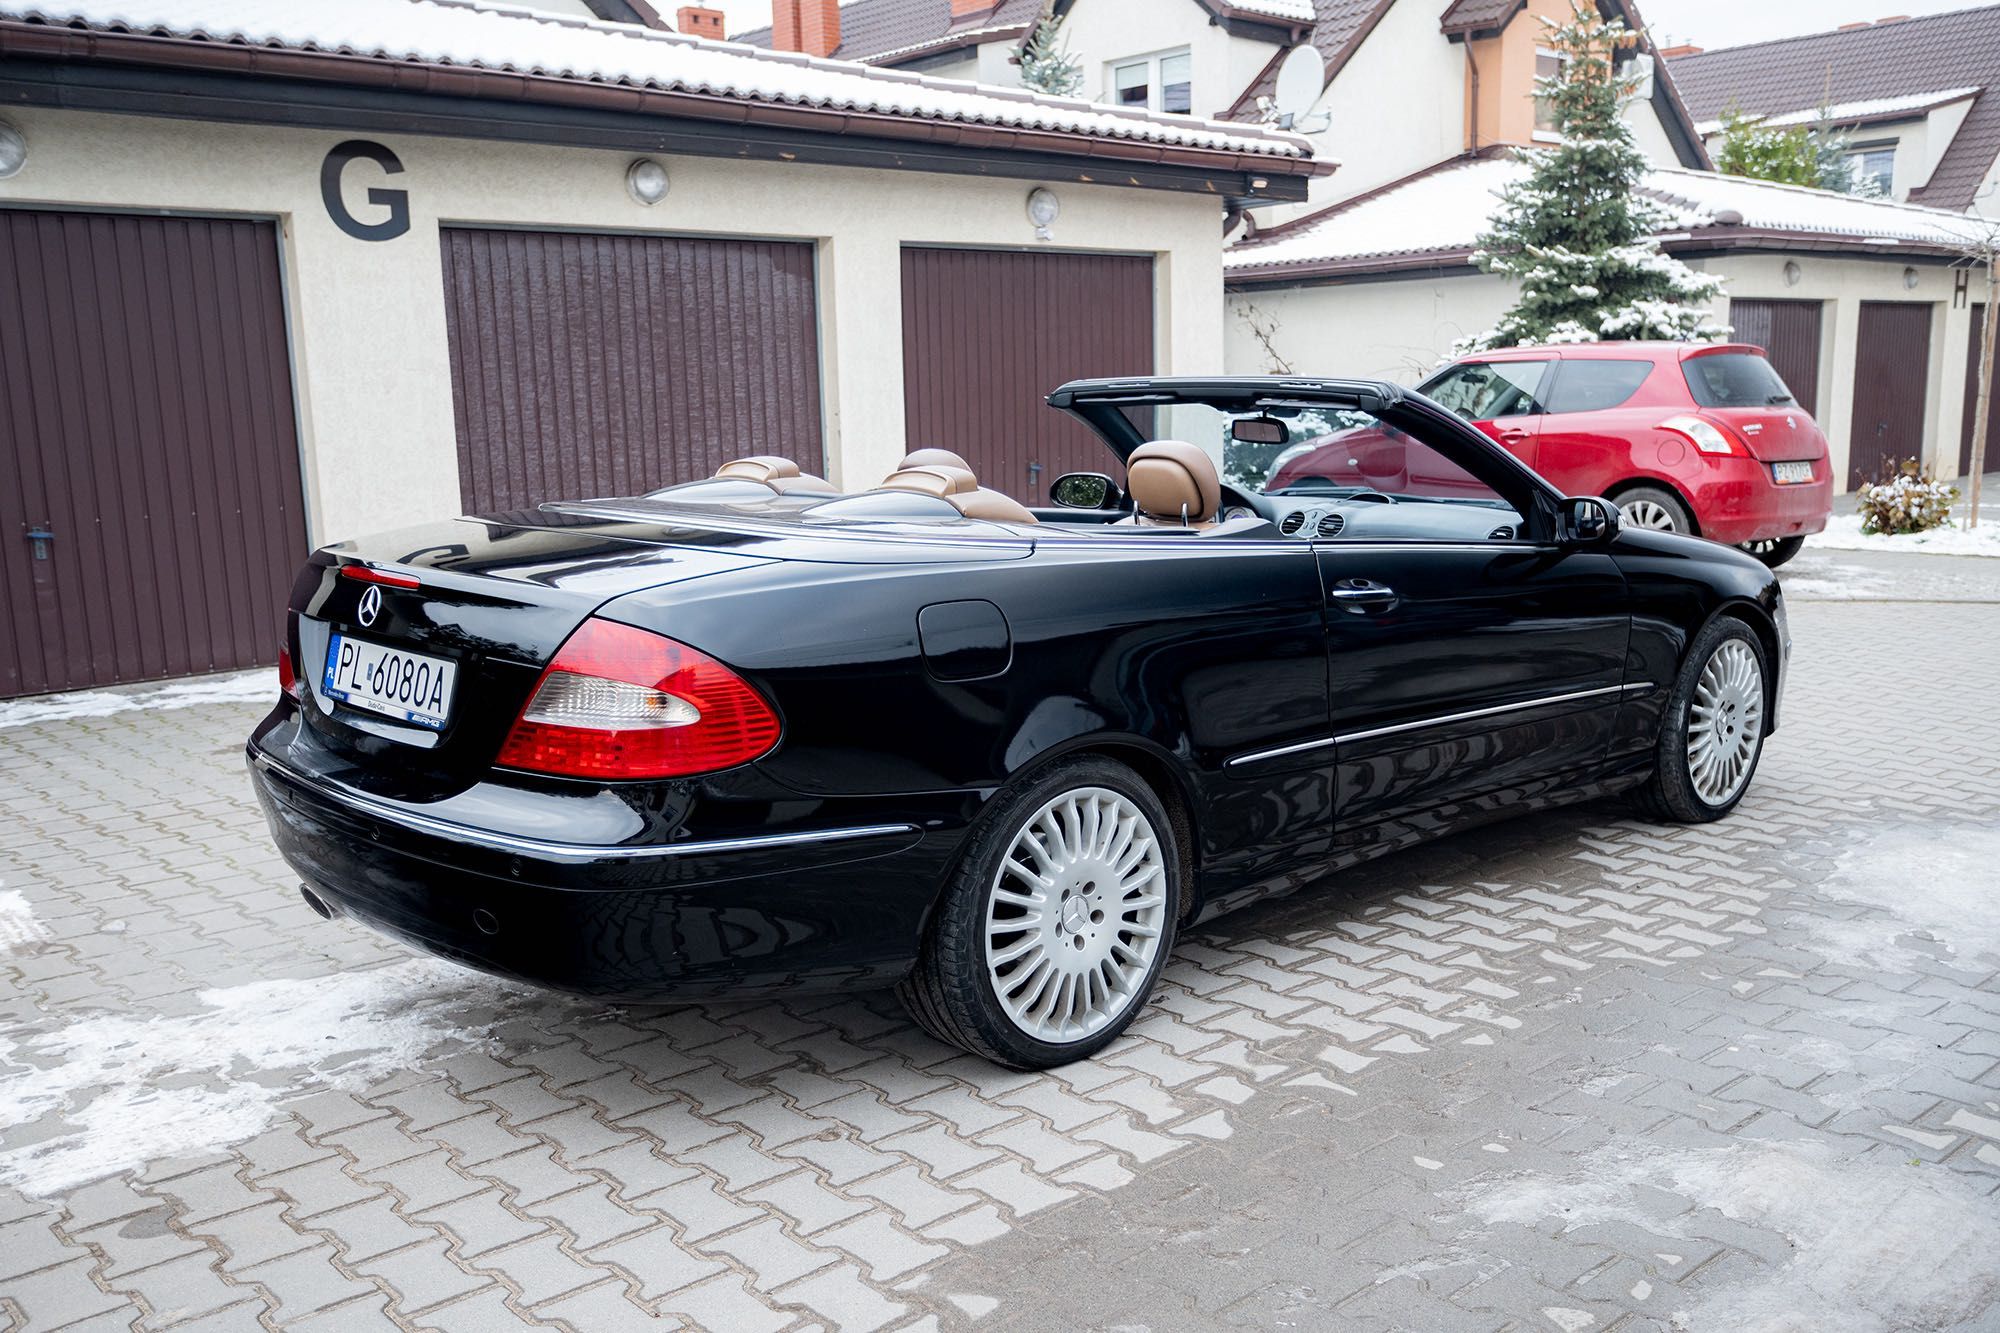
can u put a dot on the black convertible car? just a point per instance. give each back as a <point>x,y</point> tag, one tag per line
<point>751,733</point>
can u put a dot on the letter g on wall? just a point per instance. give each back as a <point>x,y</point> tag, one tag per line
<point>396,201</point>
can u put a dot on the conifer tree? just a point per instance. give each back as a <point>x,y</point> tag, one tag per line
<point>1576,233</point>
<point>1046,63</point>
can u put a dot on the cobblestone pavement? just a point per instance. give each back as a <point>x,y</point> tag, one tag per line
<point>1571,1073</point>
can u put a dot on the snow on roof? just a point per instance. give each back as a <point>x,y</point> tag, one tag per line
<point>493,37</point>
<point>1295,11</point>
<point>960,37</point>
<point>1444,210</point>
<point>1877,108</point>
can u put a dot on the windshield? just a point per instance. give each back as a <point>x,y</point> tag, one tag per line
<point>1294,449</point>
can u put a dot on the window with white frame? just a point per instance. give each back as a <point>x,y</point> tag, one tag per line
<point>1548,65</point>
<point>1874,168</point>
<point>1155,83</point>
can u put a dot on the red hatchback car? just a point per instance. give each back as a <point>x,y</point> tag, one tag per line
<point>1694,437</point>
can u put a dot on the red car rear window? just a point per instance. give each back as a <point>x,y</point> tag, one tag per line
<point>1734,379</point>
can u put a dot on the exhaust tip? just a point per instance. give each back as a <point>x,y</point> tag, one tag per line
<point>320,906</point>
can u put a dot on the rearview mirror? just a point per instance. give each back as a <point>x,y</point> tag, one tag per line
<point>1258,430</point>
<point>1591,519</point>
<point>1085,490</point>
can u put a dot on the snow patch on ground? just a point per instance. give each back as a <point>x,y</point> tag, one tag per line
<point>1941,880</point>
<point>121,1091</point>
<point>1821,579</point>
<point>18,926</point>
<point>1878,1245</point>
<point>241,687</point>
<point>1843,533</point>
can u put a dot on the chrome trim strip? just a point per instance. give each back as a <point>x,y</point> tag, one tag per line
<point>1302,746</point>
<point>570,853</point>
<point>1255,755</point>
<point>1545,701</point>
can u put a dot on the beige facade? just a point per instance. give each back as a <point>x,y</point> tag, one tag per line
<point>367,319</point>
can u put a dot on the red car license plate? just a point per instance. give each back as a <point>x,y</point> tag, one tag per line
<point>1789,474</point>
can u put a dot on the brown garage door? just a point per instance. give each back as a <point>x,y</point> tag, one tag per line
<point>988,333</point>
<point>1972,347</point>
<point>587,365</point>
<point>146,425</point>
<point>1788,331</point>
<point>1890,365</point>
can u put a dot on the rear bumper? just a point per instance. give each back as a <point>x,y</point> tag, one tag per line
<point>1736,501</point>
<point>811,908</point>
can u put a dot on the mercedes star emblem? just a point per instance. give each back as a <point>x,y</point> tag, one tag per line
<point>371,605</point>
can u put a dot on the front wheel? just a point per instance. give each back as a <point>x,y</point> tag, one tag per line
<point>1713,732</point>
<point>1057,922</point>
<point>1654,508</point>
<point>1775,551</point>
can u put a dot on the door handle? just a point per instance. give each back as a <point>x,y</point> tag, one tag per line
<point>1361,596</point>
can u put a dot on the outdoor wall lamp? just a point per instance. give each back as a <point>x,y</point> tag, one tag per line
<point>1793,273</point>
<point>647,181</point>
<point>1043,209</point>
<point>13,150</point>
<point>1910,279</point>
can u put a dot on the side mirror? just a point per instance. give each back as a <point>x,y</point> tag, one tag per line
<point>1085,490</point>
<point>1591,520</point>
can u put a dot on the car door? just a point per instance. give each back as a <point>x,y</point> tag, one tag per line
<point>1601,426</point>
<point>1470,666</point>
<point>1503,399</point>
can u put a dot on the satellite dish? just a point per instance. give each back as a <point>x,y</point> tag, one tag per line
<point>1301,79</point>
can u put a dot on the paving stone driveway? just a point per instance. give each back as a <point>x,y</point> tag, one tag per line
<point>1573,1073</point>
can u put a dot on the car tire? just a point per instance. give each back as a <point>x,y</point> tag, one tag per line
<point>1653,508</point>
<point>996,958</point>
<point>1775,551</point>
<point>1713,732</point>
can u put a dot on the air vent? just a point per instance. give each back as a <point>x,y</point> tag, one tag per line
<point>1331,525</point>
<point>1502,533</point>
<point>1292,522</point>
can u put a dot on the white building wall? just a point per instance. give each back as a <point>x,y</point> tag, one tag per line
<point>371,371</point>
<point>1395,330</point>
<point>1104,33</point>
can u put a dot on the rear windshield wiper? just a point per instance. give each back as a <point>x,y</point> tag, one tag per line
<point>1777,398</point>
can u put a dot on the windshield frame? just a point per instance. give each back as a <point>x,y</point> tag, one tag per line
<point>1099,403</point>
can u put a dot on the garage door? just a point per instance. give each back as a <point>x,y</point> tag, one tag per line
<point>589,365</point>
<point>988,333</point>
<point>1891,362</point>
<point>1789,332</point>
<point>149,465</point>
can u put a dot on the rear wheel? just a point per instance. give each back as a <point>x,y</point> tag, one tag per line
<point>1654,508</point>
<point>1057,922</point>
<point>1775,551</point>
<point>1713,732</point>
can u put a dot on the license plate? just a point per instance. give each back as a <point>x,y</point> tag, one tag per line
<point>409,687</point>
<point>1786,474</point>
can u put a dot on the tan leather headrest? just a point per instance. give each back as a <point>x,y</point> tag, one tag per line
<point>1169,479</point>
<point>763,467</point>
<point>803,484</point>
<point>995,505</point>
<point>933,458</point>
<point>932,481</point>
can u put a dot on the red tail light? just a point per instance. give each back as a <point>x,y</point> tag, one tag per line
<point>1707,436</point>
<point>619,703</point>
<point>366,574</point>
<point>288,676</point>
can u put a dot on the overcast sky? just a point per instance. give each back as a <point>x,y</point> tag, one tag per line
<point>1703,22</point>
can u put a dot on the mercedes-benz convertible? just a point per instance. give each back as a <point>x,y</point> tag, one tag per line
<point>756,733</point>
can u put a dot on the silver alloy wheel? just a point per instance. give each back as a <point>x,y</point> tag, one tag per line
<point>1075,915</point>
<point>1647,514</point>
<point>1725,721</point>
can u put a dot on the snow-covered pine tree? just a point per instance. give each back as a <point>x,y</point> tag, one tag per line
<point>1046,63</point>
<point>1576,234</point>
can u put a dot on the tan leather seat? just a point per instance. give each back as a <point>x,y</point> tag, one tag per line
<point>1172,484</point>
<point>960,489</point>
<point>780,474</point>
